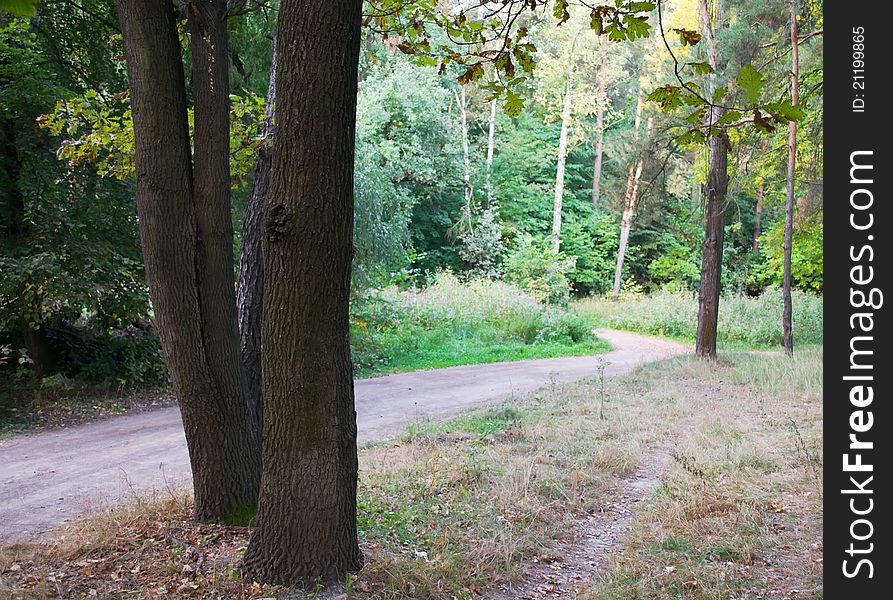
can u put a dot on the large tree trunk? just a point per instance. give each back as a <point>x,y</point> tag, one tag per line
<point>599,141</point>
<point>250,288</point>
<point>562,158</point>
<point>787,312</point>
<point>306,522</point>
<point>183,236</point>
<point>714,228</point>
<point>630,198</point>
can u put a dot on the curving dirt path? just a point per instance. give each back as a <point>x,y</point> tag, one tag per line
<point>52,478</point>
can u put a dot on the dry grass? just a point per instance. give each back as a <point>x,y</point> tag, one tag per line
<point>739,513</point>
<point>456,509</point>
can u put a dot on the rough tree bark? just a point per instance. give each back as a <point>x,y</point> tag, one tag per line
<point>787,312</point>
<point>630,198</point>
<point>599,139</point>
<point>306,522</point>
<point>714,228</point>
<point>183,236</point>
<point>250,287</point>
<point>562,158</point>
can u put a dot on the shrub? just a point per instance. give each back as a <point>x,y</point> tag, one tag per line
<point>534,267</point>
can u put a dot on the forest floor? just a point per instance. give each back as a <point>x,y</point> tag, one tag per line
<point>681,479</point>
<point>52,478</point>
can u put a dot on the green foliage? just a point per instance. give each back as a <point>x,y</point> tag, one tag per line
<point>450,322</point>
<point>807,255</point>
<point>482,247</point>
<point>23,8</point>
<point>534,267</point>
<point>744,321</point>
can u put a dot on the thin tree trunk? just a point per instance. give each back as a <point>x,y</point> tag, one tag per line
<point>787,312</point>
<point>183,237</point>
<point>629,202</point>
<point>599,141</point>
<point>714,228</point>
<point>466,158</point>
<point>562,158</point>
<point>306,521</point>
<point>758,210</point>
<point>250,288</point>
<point>491,143</point>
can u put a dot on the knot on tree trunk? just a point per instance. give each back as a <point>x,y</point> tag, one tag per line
<point>278,222</point>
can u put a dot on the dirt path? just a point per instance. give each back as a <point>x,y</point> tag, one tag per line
<point>566,571</point>
<point>51,478</point>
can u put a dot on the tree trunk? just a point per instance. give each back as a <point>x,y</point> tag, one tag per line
<point>184,240</point>
<point>758,209</point>
<point>599,141</point>
<point>787,312</point>
<point>562,158</point>
<point>306,522</point>
<point>714,228</point>
<point>250,288</point>
<point>38,347</point>
<point>467,210</point>
<point>491,143</point>
<point>629,203</point>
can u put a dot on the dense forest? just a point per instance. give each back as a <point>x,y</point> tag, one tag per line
<point>448,178</point>
<point>245,205</point>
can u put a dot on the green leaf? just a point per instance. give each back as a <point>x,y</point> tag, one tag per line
<point>751,83</point>
<point>595,22</point>
<point>690,137</point>
<point>668,97</point>
<point>701,68</point>
<point>23,8</point>
<point>728,117</point>
<point>513,105</point>
<point>784,111</point>
<point>719,94</point>
<point>560,12</point>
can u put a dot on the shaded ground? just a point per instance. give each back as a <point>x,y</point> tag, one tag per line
<point>52,478</point>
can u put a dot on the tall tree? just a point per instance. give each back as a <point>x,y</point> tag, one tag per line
<point>630,198</point>
<point>191,280</point>
<point>566,113</point>
<point>787,311</point>
<point>306,521</point>
<point>598,141</point>
<point>717,186</point>
<point>250,286</point>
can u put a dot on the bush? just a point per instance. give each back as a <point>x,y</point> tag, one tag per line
<point>534,267</point>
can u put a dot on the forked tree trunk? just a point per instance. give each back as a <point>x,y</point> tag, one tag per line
<point>599,140</point>
<point>187,246</point>
<point>306,522</point>
<point>562,159</point>
<point>630,198</point>
<point>250,288</point>
<point>787,312</point>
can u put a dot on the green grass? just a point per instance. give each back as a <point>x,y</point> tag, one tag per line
<point>457,323</point>
<point>744,322</point>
